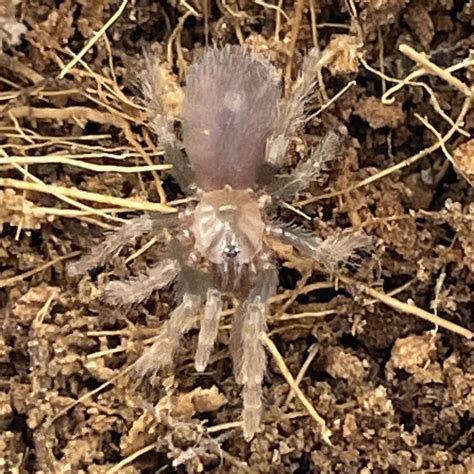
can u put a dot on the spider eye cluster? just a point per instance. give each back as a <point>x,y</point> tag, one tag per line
<point>231,251</point>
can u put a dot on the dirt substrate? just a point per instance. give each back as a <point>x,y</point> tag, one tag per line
<point>396,393</point>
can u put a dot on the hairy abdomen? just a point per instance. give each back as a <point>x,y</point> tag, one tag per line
<point>229,112</point>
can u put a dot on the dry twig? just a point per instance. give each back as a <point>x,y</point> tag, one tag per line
<point>94,39</point>
<point>325,432</point>
<point>408,308</point>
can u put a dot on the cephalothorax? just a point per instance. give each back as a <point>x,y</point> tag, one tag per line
<point>228,226</point>
<point>236,131</point>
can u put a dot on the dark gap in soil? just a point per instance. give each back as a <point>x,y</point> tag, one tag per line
<point>358,129</point>
<point>349,341</point>
<point>305,464</point>
<point>288,278</point>
<point>171,187</point>
<point>323,295</point>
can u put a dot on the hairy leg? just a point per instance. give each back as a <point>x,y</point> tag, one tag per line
<point>253,365</point>
<point>192,286</point>
<point>136,289</point>
<point>286,187</point>
<point>290,115</point>
<point>161,353</point>
<point>209,328</point>
<point>330,252</point>
<point>247,349</point>
<point>114,241</point>
<point>153,90</point>
<point>235,343</point>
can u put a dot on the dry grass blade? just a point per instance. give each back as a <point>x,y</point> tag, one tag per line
<point>112,117</point>
<point>446,153</point>
<point>22,276</point>
<point>399,166</point>
<point>311,355</point>
<point>61,160</point>
<point>237,424</point>
<point>66,113</point>
<point>125,462</point>
<point>87,395</point>
<point>299,9</point>
<point>325,432</point>
<point>331,101</point>
<point>432,68</point>
<point>64,198</point>
<point>94,39</point>
<point>86,196</point>
<point>408,308</point>
<point>71,213</point>
<point>387,98</point>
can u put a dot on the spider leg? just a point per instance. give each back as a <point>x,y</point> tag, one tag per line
<point>209,328</point>
<point>286,187</point>
<point>330,252</point>
<point>114,241</point>
<point>247,349</point>
<point>136,289</point>
<point>253,366</point>
<point>290,114</point>
<point>161,353</point>
<point>153,89</point>
<point>192,286</point>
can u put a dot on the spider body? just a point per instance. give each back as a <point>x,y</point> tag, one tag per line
<point>236,133</point>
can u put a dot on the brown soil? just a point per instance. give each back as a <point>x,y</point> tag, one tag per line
<point>397,394</point>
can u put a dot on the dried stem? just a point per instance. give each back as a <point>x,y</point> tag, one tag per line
<point>86,196</point>
<point>94,39</point>
<point>432,68</point>
<point>408,308</point>
<point>399,166</point>
<point>325,432</point>
<point>22,276</point>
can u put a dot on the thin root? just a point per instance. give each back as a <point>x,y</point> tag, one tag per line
<point>325,431</point>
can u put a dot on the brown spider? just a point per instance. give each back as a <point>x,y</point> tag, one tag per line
<point>236,132</point>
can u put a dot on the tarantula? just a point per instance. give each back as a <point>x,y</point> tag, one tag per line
<point>236,130</point>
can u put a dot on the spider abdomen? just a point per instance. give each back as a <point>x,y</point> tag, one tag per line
<point>229,112</point>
